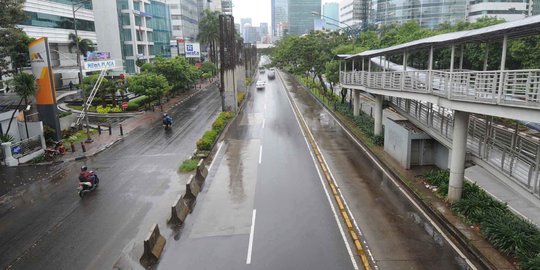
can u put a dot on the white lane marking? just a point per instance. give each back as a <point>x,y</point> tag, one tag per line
<point>264,120</point>
<point>265,107</point>
<point>347,246</point>
<point>260,154</point>
<point>250,245</point>
<point>395,182</point>
<point>217,154</point>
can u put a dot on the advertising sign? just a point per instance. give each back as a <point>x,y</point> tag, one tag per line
<point>99,65</point>
<point>193,50</point>
<point>45,94</point>
<point>96,56</point>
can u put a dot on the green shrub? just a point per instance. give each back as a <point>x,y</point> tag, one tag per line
<point>240,97</point>
<point>108,109</point>
<point>532,263</point>
<point>512,235</point>
<point>219,124</point>
<point>62,114</point>
<point>207,140</point>
<point>137,102</point>
<point>6,138</point>
<point>188,165</point>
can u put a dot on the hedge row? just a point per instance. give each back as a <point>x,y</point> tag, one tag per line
<point>209,138</point>
<point>134,104</point>
<point>512,235</point>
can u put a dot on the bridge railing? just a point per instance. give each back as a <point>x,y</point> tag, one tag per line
<point>511,87</point>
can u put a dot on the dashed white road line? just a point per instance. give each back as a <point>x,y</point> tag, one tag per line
<point>250,245</point>
<point>264,120</point>
<point>260,154</point>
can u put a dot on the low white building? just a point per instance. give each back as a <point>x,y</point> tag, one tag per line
<point>509,10</point>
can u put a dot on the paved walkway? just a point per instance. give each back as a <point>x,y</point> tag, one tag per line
<point>104,141</point>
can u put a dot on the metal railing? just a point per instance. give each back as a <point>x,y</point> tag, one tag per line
<point>25,147</point>
<point>511,87</point>
<point>514,153</point>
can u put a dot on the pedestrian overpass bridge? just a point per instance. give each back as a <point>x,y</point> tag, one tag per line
<point>452,104</point>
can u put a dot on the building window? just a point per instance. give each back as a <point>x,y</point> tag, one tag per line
<point>53,21</point>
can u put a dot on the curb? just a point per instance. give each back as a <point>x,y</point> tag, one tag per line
<point>449,228</point>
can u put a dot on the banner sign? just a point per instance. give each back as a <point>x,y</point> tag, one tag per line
<point>99,65</point>
<point>96,56</point>
<point>193,50</point>
<point>42,71</point>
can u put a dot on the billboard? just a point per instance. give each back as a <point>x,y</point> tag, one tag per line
<point>97,56</point>
<point>192,50</point>
<point>99,65</point>
<point>45,94</point>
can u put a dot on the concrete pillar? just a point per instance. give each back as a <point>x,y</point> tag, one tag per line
<point>486,53</point>
<point>9,160</point>
<point>378,115</point>
<point>356,104</point>
<point>461,56</point>
<point>457,161</point>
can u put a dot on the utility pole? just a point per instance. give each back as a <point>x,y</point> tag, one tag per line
<point>79,60</point>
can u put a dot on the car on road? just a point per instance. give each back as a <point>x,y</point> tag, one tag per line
<point>271,74</point>
<point>261,70</point>
<point>260,84</point>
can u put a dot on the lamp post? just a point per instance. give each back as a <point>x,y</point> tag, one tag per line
<point>79,5</point>
<point>349,29</point>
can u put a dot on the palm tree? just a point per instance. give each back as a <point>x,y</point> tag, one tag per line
<point>209,32</point>
<point>85,45</point>
<point>25,87</point>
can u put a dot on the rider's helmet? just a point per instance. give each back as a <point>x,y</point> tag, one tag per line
<point>84,168</point>
<point>165,115</point>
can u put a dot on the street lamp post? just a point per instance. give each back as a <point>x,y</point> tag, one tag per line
<point>79,58</point>
<point>349,29</point>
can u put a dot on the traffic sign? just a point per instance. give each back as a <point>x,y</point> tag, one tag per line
<point>124,105</point>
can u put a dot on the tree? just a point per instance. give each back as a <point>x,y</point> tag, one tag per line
<point>105,88</point>
<point>149,84</point>
<point>25,87</point>
<point>209,32</point>
<point>85,45</point>
<point>178,72</point>
<point>209,68</point>
<point>12,13</point>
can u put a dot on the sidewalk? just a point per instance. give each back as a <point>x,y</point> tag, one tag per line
<point>104,141</point>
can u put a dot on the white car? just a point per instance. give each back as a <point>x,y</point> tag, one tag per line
<point>260,84</point>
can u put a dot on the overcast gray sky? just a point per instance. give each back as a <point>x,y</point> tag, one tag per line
<point>258,10</point>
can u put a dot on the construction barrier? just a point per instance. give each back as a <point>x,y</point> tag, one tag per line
<point>179,211</point>
<point>201,173</point>
<point>193,186</point>
<point>153,247</point>
<point>189,195</point>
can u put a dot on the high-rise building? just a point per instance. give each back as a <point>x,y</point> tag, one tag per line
<point>243,22</point>
<point>509,10</point>
<point>330,12</point>
<point>427,12</point>
<point>54,19</point>
<point>227,7</point>
<point>354,13</point>
<point>251,34</point>
<point>133,30</point>
<point>301,18</point>
<point>263,29</point>
<point>184,19</point>
<point>279,16</point>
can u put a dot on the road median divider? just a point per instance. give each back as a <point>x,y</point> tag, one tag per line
<point>153,247</point>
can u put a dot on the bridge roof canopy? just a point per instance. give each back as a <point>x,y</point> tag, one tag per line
<point>514,29</point>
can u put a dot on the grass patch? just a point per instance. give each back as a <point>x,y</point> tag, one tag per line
<point>63,114</point>
<point>80,108</point>
<point>188,165</point>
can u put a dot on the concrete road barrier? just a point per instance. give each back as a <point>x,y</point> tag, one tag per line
<point>179,211</point>
<point>190,196</point>
<point>193,186</point>
<point>153,247</point>
<point>201,173</point>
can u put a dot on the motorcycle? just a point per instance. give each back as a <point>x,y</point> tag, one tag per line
<point>87,187</point>
<point>167,122</point>
<point>52,152</point>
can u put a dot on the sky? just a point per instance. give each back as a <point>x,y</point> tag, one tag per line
<point>258,10</point>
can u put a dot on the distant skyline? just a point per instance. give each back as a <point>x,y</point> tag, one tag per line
<point>258,10</point>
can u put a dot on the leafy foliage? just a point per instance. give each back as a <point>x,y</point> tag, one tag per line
<point>189,165</point>
<point>152,85</point>
<point>178,72</point>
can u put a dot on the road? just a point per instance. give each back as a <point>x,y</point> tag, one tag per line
<point>45,225</point>
<point>264,206</point>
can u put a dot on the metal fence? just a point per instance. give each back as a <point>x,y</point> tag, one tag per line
<point>511,87</point>
<point>514,153</point>
<point>25,147</point>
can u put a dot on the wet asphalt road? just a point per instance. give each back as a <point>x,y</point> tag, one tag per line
<point>264,173</point>
<point>45,225</point>
<point>399,237</point>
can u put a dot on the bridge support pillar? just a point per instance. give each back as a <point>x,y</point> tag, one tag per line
<point>457,159</point>
<point>356,104</point>
<point>378,115</point>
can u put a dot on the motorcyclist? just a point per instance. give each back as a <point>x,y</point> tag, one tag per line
<point>87,176</point>
<point>167,119</point>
